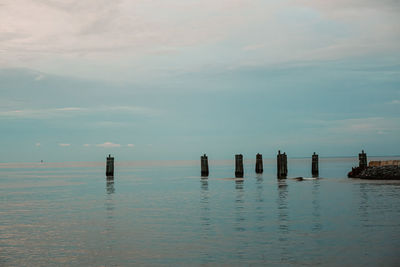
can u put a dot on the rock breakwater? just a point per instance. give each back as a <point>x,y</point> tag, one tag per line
<point>388,172</point>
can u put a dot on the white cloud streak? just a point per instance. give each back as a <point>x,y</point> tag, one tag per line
<point>108,145</point>
<point>253,47</point>
<point>64,144</point>
<point>394,102</point>
<point>40,113</point>
<point>39,77</point>
<point>370,125</point>
<point>76,111</point>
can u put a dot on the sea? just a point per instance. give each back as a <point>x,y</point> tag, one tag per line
<point>163,213</point>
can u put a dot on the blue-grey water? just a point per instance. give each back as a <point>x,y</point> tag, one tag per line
<point>163,213</point>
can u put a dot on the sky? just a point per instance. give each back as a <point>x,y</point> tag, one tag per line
<point>166,80</point>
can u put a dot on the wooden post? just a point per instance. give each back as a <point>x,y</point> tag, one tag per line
<point>314,165</point>
<point>259,164</point>
<point>278,163</point>
<point>362,157</point>
<point>285,164</point>
<point>239,166</point>
<point>110,167</point>
<point>204,165</point>
<point>281,164</point>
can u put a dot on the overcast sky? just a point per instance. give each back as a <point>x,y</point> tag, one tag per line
<point>176,79</point>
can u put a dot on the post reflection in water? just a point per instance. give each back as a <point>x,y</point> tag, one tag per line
<point>205,207</point>
<point>317,226</point>
<point>239,206</point>
<point>110,185</point>
<point>240,219</point>
<point>260,216</point>
<point>109,220</point>
<point>364,205</point>
<point>283,219</point>
<point>205,219</point>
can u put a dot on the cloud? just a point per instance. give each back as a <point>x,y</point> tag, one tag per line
<point>130,145</point>
<point>343,5</point>
<point>70,109</point>
<point>105,39</point>
<point>108,145</point>
<point>64,145</point>
<point>89,26</point>
<point>39,77</point>
<point>110,124</point>
<point>45,113</point>
<point>370,125</point>
<point>394,102</point>
<point>41,113</point>
<point>253,47</point>
<point>86,145</point>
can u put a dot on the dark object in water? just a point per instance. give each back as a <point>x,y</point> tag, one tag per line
<point>239,171</point>
<point>376,173</point>
<point>362,158</point>
<point>204,165</point>
<point>304,178</point>
<point>259,163</point>
<point>314,165</point>
<point>281,161</point>
<point>110,167</point>
<point>355,172</point>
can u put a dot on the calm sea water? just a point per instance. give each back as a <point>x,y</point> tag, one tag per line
<point>163,213</point>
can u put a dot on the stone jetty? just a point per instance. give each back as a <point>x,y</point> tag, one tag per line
<point>387,172</point>
<point>376,170</point>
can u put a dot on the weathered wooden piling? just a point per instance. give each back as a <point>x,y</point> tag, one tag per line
<point>362,158</point>
<point>281,165</point>
<point>204,165</point>
<point>110,167</point>
<point>314,165</point>
<point>259,164</point>
<point>239,166</point>
<point>285,163</point>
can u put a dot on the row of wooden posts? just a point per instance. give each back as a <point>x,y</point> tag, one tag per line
<point>281,160</point>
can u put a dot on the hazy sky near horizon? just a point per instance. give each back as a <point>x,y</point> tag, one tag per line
<point>175,79</point>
